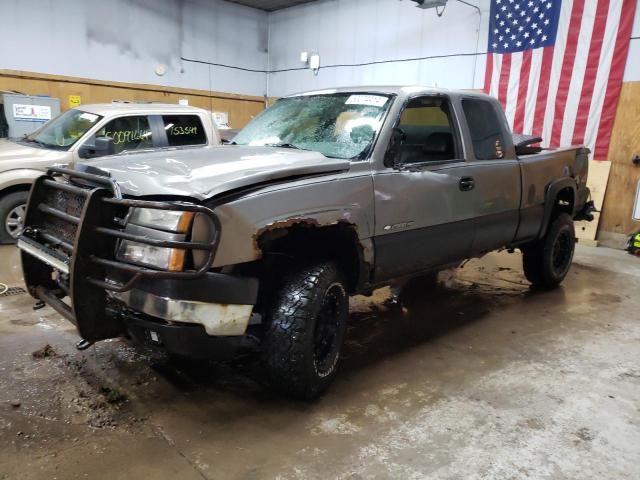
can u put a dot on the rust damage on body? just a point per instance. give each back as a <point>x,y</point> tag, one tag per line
<point>277,230</point>
<point>308,236</point>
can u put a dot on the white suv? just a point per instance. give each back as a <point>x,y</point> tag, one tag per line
<point>92,131</point>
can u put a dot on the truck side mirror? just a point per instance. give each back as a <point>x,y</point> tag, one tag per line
<point>100,147</point>
<point>392,156</point>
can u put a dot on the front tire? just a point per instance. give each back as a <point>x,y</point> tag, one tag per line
<point>13,208</point>
<point>547,261</point>
<point>305,330</point>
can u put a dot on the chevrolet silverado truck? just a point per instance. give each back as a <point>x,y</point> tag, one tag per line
<point>256,247</point>
<point>88,132</point>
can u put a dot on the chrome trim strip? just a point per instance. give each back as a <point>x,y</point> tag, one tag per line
<point>44,256</point>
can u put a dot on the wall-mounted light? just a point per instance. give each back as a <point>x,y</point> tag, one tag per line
<point>311,60</point>
<point>314,63</point>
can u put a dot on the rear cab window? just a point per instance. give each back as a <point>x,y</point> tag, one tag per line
<point>184,130</point>
<point>485,127</point>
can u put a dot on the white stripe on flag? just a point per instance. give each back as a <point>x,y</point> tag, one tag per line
<point>556,69</point>
<point>514,85</point>
<point>602,77</point>
<point>532,92</point>
<point>577,75</point>
<point>495,77</point>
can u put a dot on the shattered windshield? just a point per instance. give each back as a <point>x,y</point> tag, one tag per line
<point>339,125</point>
<point>64,130</point>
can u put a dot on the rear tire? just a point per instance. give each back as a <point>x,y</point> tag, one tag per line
<point>305,330</point>
<point>12,210</point>
<point>547,261</point>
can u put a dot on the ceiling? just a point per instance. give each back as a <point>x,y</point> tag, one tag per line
<point>270,5</point>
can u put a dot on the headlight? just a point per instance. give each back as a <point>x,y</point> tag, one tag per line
<point>171,259</point>
<point>169,220</point>
<point>160,225</point>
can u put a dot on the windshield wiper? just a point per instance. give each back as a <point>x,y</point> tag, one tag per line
<point>33,140</point>
<point>285,145</point>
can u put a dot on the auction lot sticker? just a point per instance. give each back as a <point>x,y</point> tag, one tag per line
<point>369,100</point>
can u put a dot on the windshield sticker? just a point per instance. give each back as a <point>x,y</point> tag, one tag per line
<point>369,100</point>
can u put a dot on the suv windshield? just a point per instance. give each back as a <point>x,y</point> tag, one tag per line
<point>64,130</point>
<point>340,125</point>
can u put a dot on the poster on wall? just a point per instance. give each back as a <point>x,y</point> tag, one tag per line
<point>75,101</point>
<point>221,119</point>
<point>31,113</point>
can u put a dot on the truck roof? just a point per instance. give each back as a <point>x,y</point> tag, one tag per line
<point>401,90</point>
<point>119,108</point>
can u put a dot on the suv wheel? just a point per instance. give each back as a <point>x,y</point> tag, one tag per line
<point>305,330</point>
<point>12,212</point>
<point>547,261</point>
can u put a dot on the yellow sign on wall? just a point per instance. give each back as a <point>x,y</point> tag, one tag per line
<point>74,101</point>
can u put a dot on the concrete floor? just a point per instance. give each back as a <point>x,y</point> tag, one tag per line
<point>481,380</point>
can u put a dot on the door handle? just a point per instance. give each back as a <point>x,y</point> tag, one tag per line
<point>466,184</point>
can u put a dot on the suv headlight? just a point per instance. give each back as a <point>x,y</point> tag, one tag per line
<point>172,225</point>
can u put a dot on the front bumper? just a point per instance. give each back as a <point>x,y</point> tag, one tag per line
<point>72,231</point>
<point>222,304</point>
<point>186,340</point>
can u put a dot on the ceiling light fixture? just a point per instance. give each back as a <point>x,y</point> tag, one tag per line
<point>426,4</point>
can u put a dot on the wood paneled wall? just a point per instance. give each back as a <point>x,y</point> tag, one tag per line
<point>241,108</point>
<point>624,176</point>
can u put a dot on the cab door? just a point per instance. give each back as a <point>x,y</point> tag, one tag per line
<point>424,208</point>
<point>495,173</point>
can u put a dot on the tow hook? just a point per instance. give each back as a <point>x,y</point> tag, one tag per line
<point>38,305</point>
<point>83,344</point>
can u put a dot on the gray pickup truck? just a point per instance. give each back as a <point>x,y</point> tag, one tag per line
<point>256,247</point>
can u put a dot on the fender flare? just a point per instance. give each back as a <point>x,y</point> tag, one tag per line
<point>553,189</point>
<point>19,176</point>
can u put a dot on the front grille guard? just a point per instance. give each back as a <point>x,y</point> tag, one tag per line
<point>86,188</point>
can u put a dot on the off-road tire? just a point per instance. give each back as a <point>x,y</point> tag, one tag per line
<point>312,304</point>
<point>7,204</point>
<point>547,261</point>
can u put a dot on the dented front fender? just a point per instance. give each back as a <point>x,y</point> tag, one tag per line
<point>317,202</point>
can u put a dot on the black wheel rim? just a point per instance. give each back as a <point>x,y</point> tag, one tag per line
<point>327,330</point>
<point>562,252</point>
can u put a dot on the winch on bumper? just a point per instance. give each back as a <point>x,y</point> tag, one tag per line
<point>77,229</point>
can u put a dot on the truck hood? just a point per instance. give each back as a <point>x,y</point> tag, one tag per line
<point>205,172</point>
<point>20,154</point>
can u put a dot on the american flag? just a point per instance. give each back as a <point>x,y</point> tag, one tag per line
<point>557,65</point>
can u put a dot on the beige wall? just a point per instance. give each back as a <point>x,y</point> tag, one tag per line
<point>241,108</point>
<point>624,176</point>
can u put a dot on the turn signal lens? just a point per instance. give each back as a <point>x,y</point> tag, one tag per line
<point>176,260</point>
